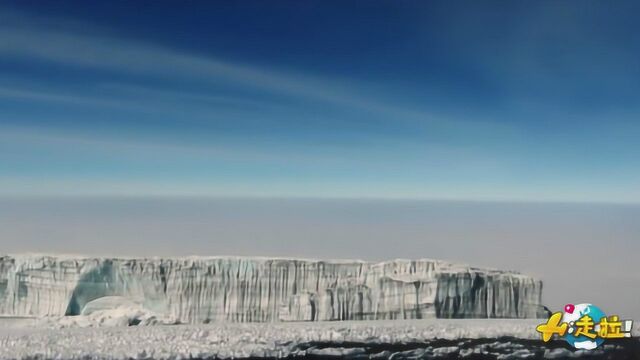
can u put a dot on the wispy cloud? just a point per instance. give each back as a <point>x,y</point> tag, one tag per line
<point>132,98</point>
<point>16,93</point>
<point>109,53</point>
<point>141,92</point>
<point>34,39</point>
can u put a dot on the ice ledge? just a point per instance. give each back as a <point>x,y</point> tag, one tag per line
<point>248,289</point>
<point>443,266</point>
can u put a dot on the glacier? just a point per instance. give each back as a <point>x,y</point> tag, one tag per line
<point>376,339</point>
<point>254,289</point>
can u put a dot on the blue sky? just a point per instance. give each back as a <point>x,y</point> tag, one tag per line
<point>535,101</point>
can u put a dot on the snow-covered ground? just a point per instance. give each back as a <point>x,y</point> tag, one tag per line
<point>237,340</point>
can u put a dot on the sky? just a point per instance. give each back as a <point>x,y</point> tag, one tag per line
<point>469,101</point>
<point>500,134</point>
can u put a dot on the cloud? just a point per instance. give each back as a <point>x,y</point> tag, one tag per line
<point>63,42</point>
<point>108,53</point>
<point>71,99</point>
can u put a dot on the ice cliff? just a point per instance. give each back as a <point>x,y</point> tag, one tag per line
<point>208,289</point>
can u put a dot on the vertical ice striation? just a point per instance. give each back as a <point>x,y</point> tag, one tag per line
<point>199,289</point>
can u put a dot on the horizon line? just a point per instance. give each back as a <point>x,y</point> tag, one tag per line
<point>260,197</point>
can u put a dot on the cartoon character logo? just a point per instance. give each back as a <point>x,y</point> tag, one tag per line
<point>584,326</point>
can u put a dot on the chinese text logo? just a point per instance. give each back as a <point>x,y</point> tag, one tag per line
<point>584,326</point>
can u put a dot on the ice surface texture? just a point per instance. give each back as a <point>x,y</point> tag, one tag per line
<point>237,340</point>
<point>214,289</point>
<point>413,339</point>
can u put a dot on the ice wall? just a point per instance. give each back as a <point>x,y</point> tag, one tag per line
<point>198,289</point>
